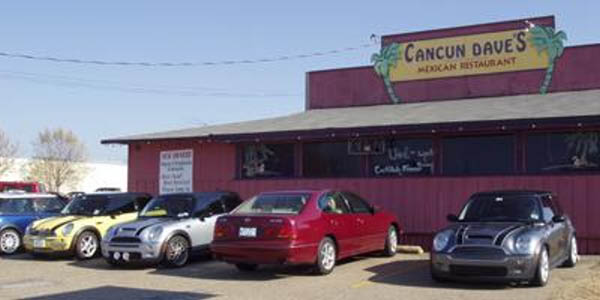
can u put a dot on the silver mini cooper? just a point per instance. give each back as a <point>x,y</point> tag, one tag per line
<point>169,229</point>
<point>514,236</point>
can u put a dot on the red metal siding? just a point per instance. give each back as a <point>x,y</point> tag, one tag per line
<point>421,203</point>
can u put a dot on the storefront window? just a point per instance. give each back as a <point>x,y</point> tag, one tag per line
<point>267,160</point>
<point>478,155</point>
<point>563,152</point>
<point>330,160</point>
<point>403,157</point>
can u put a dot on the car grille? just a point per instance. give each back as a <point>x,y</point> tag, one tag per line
<point>44,232</point>
<point>478,253</point>
<point>125,239</point>
<point>460,270</point>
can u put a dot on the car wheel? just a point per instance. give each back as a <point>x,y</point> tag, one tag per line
<point>177,252</point>
<point>10,241</point>
<point>246,267</point>
<point>87,245</point>
<point>391,242</point>
<point>542,273</point>
<point>573,254</point>
<point>326,256</point>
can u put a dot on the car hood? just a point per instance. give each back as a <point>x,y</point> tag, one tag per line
<point>54,223</point>
<point>486,233</point>
<point>136,227</point>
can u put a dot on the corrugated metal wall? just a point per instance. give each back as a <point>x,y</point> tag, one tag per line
<point>421,203</point>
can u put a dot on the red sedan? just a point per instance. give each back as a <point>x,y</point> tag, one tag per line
<point>303,227</point>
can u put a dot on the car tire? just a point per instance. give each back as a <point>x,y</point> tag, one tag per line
<point>573,255</point>
<point>10,241</point>
<point>246,267</point>
<point>87,245</point>
<point>542,272</point>
<point>177,252</point>
<point>326,256</point>
<point>391,242</point>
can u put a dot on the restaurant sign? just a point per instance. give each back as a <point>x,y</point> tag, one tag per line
<point>504,51</point>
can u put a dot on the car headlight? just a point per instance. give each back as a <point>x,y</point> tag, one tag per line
<point>155,233</point>
<point>67,229</point>
<point>441,240</point>
<point>523,245</point>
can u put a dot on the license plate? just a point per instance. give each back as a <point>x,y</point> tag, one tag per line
<point>39,244</point>
<point>248,231</point>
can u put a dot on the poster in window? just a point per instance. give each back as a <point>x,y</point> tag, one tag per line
<point>267,160</point>
<point>403,158</point>
<point>563,152</point>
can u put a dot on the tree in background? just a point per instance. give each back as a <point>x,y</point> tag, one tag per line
<point>383,61</point>
<point>8,150</point>
<point>58,160</point>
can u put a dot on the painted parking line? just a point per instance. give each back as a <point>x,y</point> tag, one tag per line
<point>371,280</point>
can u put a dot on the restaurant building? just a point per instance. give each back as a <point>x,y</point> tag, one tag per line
<point>438,116</point>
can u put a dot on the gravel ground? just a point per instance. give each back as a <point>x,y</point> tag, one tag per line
<point>402,277</point>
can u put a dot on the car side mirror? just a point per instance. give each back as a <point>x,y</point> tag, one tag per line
<point>452,218</point>
<point>375,209</point>
<point>558,219</point>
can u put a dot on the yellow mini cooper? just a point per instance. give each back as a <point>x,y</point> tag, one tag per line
<point>83,223</point>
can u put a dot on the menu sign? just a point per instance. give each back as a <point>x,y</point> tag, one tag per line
<point>176,170</point>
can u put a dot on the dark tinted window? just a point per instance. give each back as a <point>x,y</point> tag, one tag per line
<point>15,206</point>
<point>357,204</point>
<point>231,202</point>
<point>333,203</point>
<point>48,205</point>
<point>176,206</point>
<point>563,152</point>
<point>267,160</point>
<point>94,205</point>
<point>329,160</point>
<point>478,155</point>
<point>501,208</point>
<point>404,157</point>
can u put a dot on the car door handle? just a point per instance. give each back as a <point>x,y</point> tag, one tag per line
<point>360,221</point>
<point>334,223</point>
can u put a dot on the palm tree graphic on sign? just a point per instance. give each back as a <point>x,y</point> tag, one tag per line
<point>383,61</point>
<point>545,38</point>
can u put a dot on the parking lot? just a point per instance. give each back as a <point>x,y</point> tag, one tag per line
<point>401,277</point>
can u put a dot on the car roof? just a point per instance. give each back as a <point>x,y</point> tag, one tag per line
<point>25,195</point>
<point>202,194</point>
<point>304,191</point>
<point>499,193</point>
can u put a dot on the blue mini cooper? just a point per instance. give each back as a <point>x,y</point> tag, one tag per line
<point>18,210</point>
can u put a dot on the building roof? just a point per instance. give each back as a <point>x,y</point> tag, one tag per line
<point>521,107</point>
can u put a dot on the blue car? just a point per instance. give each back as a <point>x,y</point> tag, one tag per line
<point>18,210</point>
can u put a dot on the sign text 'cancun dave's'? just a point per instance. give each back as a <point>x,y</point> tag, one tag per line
<point>467,55</point>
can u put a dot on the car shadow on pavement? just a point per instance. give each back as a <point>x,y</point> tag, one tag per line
<point>38,257</point>
<point>415,273</point>
<point>100,263</point>
<point>115,292</point>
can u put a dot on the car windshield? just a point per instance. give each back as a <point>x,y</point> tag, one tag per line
<point>30,205</point>
<point>174,206</point>
<point>273,204</point>
<point>95,205</point>
<point>501,209</point>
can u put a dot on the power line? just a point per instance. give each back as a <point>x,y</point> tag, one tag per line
<point>98,84</point>
<point>182,64</point>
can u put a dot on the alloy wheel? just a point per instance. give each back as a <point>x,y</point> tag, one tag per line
<point>88,245</point>
<point>328,256</point>
<point>574,250</point>
<point>177,251</point>
<point>393,240</point>
<point>9,241</point>
<point>544,266</point>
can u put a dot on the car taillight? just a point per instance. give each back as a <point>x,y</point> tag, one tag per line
<point>221,231</point>
<point>286,232</point>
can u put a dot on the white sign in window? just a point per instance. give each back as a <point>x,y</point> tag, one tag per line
<point>176,170</point>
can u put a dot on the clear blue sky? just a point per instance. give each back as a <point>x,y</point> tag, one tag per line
<point>120,101</point>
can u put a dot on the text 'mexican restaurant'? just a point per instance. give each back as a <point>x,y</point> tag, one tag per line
<point>437,116</point>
